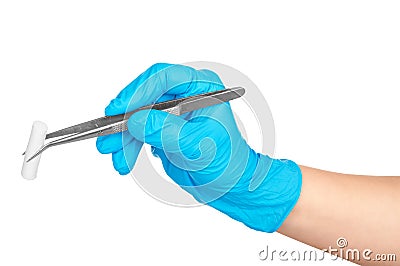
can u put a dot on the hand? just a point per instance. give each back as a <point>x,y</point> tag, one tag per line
<point>202,151</point>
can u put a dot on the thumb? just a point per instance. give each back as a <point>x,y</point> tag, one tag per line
<point>164,131</point>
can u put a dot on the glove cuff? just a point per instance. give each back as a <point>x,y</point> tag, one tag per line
<point>277,183</point>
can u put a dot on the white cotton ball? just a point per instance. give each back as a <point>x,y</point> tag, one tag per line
<point>36,141</point>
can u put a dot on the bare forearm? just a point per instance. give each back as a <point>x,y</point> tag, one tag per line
<point>365,210</point>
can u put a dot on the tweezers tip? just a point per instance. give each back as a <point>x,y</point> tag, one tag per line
<point>35,154</point>
<point>31,158</point>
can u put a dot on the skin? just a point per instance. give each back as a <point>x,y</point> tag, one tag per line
<point>364,210</point>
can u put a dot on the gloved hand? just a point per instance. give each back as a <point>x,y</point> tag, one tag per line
<point>202,151</point>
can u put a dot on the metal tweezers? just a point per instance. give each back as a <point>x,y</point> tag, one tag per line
<point>113,124</point>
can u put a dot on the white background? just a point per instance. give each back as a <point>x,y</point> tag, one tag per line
<point>328,69</point>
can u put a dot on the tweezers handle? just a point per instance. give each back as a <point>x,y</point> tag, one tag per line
<point>177,107</point>
<point>113,124</point>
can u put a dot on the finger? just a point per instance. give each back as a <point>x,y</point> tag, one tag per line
<point>190,146</point>
<point>125,159</point>
<point>113,143</point>
<point>163,79</point>
<point>120,103</point>
<point>157,128</point>
<point>204,81</point>
<point>179,176</point>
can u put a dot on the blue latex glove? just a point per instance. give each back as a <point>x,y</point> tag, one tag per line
<point>202,151</point>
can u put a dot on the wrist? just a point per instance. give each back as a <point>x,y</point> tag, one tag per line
<point>278,182</point>
<point>263,199</point>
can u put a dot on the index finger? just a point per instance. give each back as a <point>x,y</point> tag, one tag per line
<point>163,82</point>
